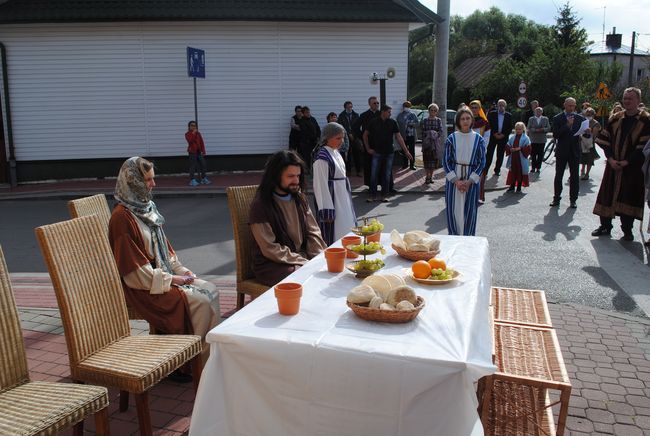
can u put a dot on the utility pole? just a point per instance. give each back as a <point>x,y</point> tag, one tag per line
<point>631,71</point>
<point>441,66</point>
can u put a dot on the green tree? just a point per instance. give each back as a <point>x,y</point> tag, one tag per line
<point>568,32</point>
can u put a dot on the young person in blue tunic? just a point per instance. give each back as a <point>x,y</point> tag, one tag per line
<point>464,160</point>
<point>335,212</point>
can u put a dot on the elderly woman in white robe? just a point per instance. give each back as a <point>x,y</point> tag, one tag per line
<point>335,212</point>
<point>463,161</point>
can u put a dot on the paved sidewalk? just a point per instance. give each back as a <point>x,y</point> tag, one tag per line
<point>406,181</point>
<point>607,356</point>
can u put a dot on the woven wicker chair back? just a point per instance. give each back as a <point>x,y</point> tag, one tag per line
<point>239,203</point>
<point>87,284</point>
<point>93,205</point>
<point>14,369</point>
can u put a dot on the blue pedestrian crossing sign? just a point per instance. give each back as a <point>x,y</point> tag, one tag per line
<point>195,62</point>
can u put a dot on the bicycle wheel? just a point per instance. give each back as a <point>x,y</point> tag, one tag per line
<point>548,149</point>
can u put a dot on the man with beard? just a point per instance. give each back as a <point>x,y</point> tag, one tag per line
<point>622,190</point>
<point>285,232</point>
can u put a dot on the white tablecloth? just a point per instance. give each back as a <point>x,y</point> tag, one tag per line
<point>326,372</point>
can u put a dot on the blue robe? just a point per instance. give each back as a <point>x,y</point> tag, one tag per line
<point>463,170</point>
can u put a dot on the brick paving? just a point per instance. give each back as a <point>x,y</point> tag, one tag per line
<point>607,355</point>
<point>47,357</point>
<point>608,360</point>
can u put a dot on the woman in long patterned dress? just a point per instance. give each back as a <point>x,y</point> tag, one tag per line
<point>464,161</point>
<point>332,190</point>
<point>431,142</point>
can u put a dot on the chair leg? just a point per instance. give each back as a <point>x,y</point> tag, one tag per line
<point>197,369</point>
<point>144,418</point>
<point>124,401</point>
<point>240,300</point>
<point>78,429</point>
<point>101,422</point>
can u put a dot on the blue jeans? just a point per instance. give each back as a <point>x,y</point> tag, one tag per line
<point>377,160</point>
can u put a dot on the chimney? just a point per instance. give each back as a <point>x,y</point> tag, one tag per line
<point>613,40</point>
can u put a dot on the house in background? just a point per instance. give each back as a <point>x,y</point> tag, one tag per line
<point>93,82</point>
<point>614,51</point>
<point>470,72</point>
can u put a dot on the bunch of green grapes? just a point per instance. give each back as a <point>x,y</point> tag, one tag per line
<point>370,265</point>
<point>372,226</point>
<point>440,274</point>
<point>368,247</point>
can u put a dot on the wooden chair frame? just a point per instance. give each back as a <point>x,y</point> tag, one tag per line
<point>239,203</point>
<point>43,407</point>
<point>98,336</point>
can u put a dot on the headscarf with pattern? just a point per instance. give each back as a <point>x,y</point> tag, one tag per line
<point>481,112</point>
<point>131,191</point>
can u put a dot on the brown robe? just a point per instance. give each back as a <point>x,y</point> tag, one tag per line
<point>621,192</point>
<point>167,312</point>
<point>284,237</point>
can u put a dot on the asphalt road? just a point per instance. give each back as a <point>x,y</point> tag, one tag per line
<point>531,245</point>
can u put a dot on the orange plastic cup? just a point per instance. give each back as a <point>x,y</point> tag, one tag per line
<point>335,258</point>
<point>375,237</point>
<point>288,296</point>
<point>351,240</point>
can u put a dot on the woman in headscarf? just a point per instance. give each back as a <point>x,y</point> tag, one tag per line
<point>332,190</point>
<point>155,282</point>
<point>482,127</point>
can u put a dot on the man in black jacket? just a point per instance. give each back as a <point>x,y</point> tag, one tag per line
<point>309,135</point>
<point>359,127</point>
<point>347,119</point>
<point>500,127</point>
<point>567,151</point>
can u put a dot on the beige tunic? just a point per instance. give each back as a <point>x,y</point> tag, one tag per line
<point>263,234</point>
<point>204,312</point>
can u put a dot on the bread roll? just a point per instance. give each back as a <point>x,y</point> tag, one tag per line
<point>405,305</point>
<point>401,293</point>
<point>361,294</point>
<point>375,302</point>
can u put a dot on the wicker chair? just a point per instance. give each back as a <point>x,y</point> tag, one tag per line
<point>515,400</point>
<point>97,205</point>
<point>520,306</point>
<point>239,203</point>
<point>93,205</point>
<point>90,297</point>
<point>38,408</point>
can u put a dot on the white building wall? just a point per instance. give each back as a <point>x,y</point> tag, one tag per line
<point>82,91</point>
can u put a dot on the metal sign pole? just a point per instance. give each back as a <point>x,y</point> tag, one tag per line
<point>196,107</point>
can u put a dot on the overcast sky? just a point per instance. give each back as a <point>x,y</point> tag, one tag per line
<point>625,15</point>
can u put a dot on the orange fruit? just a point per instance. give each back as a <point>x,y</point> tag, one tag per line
<point>437,263</point>
<point>421,269</point>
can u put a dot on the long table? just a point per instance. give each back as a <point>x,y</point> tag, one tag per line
<point>325,371</point>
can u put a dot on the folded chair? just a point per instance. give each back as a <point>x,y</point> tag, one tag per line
<point>38,408</point>
<point>239,203</point>
<point>91,301</point>
<point>97,205</point>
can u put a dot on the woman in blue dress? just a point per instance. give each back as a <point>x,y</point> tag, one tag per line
<point>463,161</point>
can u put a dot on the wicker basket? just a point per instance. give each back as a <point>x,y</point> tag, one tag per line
<point>415,255</point>
<point>391,316</point>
